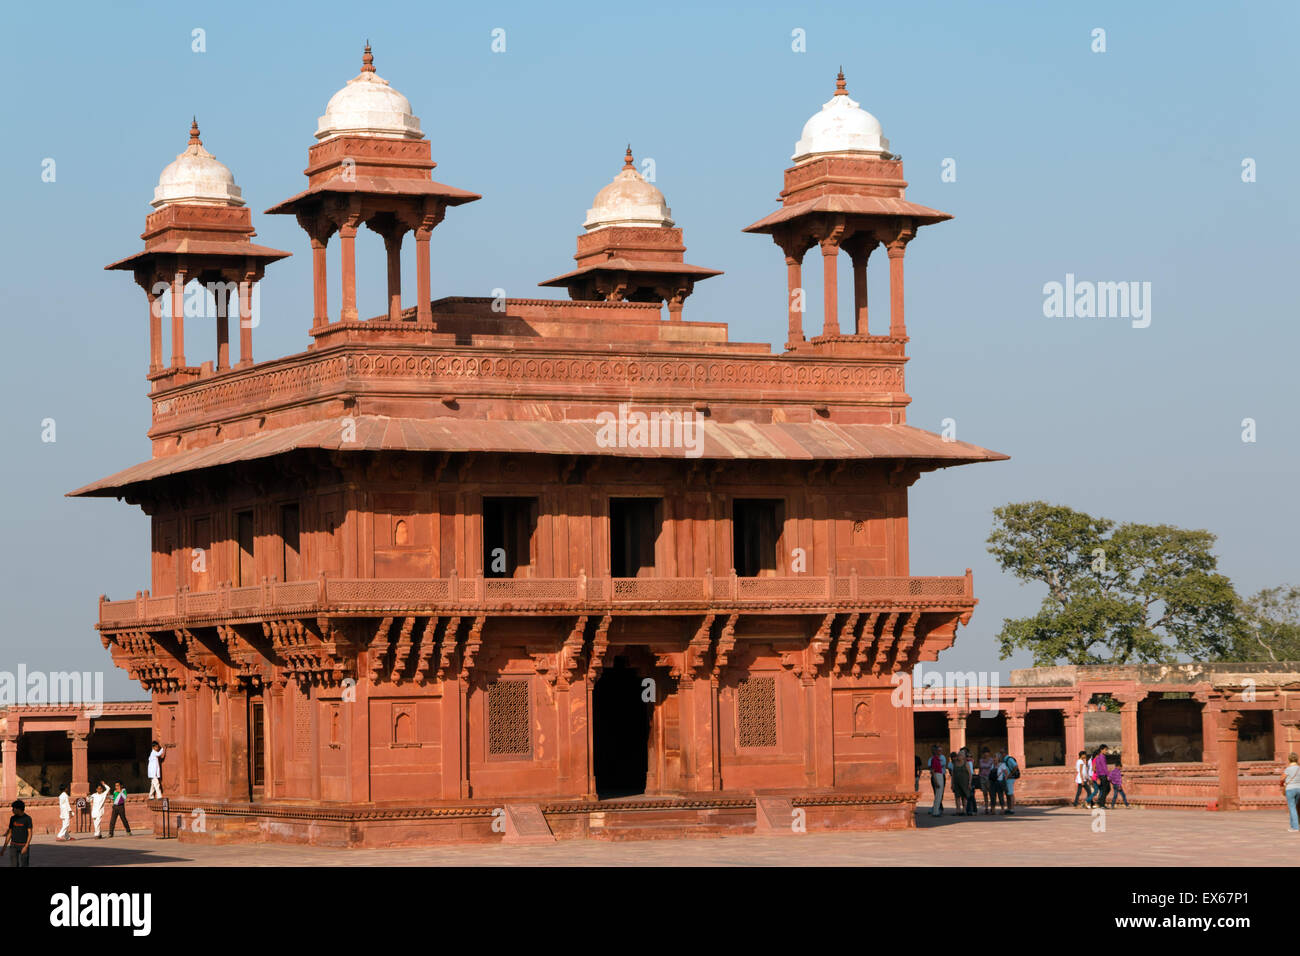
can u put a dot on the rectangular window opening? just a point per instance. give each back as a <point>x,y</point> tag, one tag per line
<point>509,526</point>
<point>634,528</point>
<point>755,535</point>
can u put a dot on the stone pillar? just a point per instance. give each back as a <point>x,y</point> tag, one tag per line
<point>430,216</point>
<point>794,300</point>
<point>9,778</point>
<point>319,284</point>
<point>223,326</point>
<point>178,320</point>
<point>1073,715</point>
<point>348,256</point>
<point>80,765</point>
<point>393,248</point>
<point>1227,726</point>
<point>830,281</point>
<point>859,247</point>
<point>155,330</point>
<point>895,248</point>
<point>956,730</point>
<point>238,717</point>
<point>1128,728</point>
<point>1281,749</point>
<point>190,740</point>
<point>246,319</point>
<point>279,724</point>
<point>1016,737</point>
<point>1210,710</point>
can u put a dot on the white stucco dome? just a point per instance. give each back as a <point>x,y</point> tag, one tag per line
<point>841,126</point>
<point>196,177</point>
<point>368,106</point>
<point>628,201</point>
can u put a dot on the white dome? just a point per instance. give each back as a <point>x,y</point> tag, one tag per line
<point>628,201</point>
<point>368,106</point>
<point>842,126</point>
<point>195,177</point>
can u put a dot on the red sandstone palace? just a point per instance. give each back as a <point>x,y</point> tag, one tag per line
<point>532,566</point>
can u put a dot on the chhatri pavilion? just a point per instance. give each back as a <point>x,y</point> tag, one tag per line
<point>413,583</point>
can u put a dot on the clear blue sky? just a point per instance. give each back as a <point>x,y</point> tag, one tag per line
<point>1124,165</point>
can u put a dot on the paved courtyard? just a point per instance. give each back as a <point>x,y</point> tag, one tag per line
<point>1033,836</point>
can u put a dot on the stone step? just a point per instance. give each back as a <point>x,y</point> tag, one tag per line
<point>525,824</point>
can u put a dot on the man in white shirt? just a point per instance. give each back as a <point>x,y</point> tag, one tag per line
<point>65,815</point>
<point>1082,785</point>
<point>156,756</point>
<point>97,801</point>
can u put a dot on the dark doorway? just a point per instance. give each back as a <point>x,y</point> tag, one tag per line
<point>621,732</point>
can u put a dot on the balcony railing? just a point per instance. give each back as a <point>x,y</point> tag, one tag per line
<point>457,594</point>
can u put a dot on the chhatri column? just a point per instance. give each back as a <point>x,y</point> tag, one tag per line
<point>432,215</point>
<point>830,280</point>
<point>178,319</point>
<point>895,248</point>
<point>319,286</point>
<point>347,255</point>
<point>794,249</point>
<point>246,318</point>
<point>1228,725</point>
<point>146,280</point>
<point>223,324</point>
<point>859,247</point>
<point>393,248</point>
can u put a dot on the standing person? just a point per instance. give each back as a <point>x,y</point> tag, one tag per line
<point>936,780</point>
<point>986,778</point>
<point>65,815</point>
<point>156,757</point>
<point>1082,785</point>
<point>951,763</point>
<point>999,782</point>
<point>97,801</point>
<point>1011,773</point>
<point>1291,790</point>
<point>972,804</point>
<point>1101,771</point>
<point>1116,776</point>
<point>18,837</point>
<point>961,783</point>
<point>119,810</point>
<point>919,767</point>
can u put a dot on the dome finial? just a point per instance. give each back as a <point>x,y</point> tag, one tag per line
<point>627,158</point>
<point>367,60</point>
<point>841,88</point>
<point>194,132</point>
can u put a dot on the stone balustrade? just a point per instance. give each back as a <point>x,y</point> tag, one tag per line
<point>324,594</point>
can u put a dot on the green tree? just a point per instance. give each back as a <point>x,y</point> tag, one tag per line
<point>1116,594</point>
<point>1271,630</point>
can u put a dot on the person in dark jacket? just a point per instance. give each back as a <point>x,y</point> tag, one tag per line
<point>18,837</point>
<point>961,785</point>
<point>1101,771</point>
